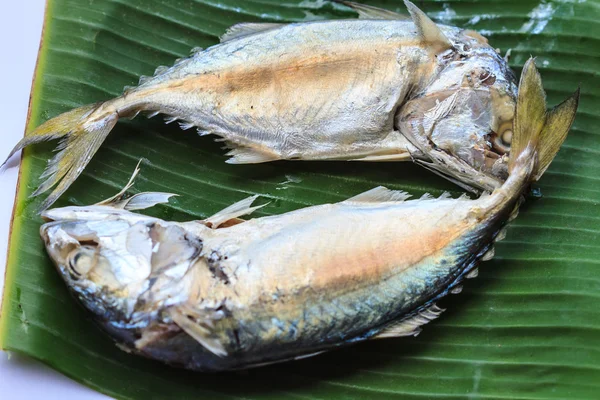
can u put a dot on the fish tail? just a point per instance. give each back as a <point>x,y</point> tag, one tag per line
<point>81,131</point>
<point>538,133</point>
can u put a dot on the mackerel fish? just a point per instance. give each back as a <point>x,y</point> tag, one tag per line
<point>226,293</point>
<point>383,87</point>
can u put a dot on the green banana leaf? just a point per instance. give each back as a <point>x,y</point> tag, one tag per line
<point>527,328</point>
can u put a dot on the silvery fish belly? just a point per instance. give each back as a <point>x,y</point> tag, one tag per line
<point>225,293</point>
<point>383,87</point>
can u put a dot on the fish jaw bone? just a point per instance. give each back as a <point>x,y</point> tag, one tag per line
<point>133,273</point>
<point>465,115</point>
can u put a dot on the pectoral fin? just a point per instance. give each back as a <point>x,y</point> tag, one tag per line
<point>200,326</point>
<point>447,165</point>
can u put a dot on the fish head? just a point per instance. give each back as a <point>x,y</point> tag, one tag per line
<point>126,268</point>
<point>102,258</point>
<point>466,110</point>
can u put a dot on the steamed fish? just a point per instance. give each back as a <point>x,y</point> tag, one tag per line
<point>224,293</point>
<point>382,87</point>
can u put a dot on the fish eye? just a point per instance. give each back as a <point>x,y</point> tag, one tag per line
<point>507,137</point>
<point>81,261</point>
<point>502,139</point>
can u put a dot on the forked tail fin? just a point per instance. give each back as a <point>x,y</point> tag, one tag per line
<point>538,132</point>
<point>81,131</point>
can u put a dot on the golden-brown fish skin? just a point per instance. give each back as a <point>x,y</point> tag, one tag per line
<point>300,91</point>
<point>365,89</point>
<point>224,293</point>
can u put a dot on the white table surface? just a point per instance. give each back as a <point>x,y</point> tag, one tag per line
<point>20,30</point>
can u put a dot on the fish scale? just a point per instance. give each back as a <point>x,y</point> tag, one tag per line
<point>357,90</point>
<point>247,293</point>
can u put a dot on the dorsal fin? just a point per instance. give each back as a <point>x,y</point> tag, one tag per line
<point>428,30</point>
<point>247,28</point>
<point>378,195</point>
<point>411,326</point>
<point>144,200</point>
<point>138,201</point>
<point>242,207</point>
<point>369,12</point>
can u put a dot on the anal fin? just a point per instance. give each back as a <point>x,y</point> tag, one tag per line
<point>412,325</point>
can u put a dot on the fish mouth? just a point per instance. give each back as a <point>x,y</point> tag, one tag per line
<point>51,215</point>
<point>77,255</point>
<point>54,215</point>
<point>63,214</point>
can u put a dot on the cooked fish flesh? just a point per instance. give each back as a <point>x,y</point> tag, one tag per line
<point>368,89</point>
<point>226,293</point>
